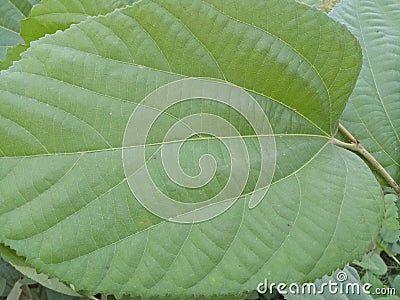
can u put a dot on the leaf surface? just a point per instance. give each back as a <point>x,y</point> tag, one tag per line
<point>65,201</point>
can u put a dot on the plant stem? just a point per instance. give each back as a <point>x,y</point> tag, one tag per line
<point>26,292</point>
<point>356,146</point>
<point>42,294</point>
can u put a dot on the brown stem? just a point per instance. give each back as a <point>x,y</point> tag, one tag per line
<point>42,295</point>
<point>356,146</point>
<point>103,297</point>
<point>26,292</point>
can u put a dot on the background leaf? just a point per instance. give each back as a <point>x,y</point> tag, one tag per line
<point>3,286</point>
<point>15,292</point>
<point>8,274</point>
<point>20,265</point>
<point>373,262</point>
<point>53,295</point>
<point>12,12</point>
<point>51,15</point>
<point>390,230</point>
<point>373,112</point>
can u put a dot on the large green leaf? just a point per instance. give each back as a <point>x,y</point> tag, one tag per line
<point>373,112</point>
<point>65,203</point>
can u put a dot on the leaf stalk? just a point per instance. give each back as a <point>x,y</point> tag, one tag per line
<point>356,146</point>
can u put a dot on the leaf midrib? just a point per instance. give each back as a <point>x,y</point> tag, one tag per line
<point>162,143</point>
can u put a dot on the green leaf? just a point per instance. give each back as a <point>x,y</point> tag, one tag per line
<point>373,262</point>
<point>23,6</point>
<point>396,248</point>
<point>3,286</point>
<point>396,284</point>
<point>51,15</point>
<point>8,272</point>
<point>65,203</point>
<point>372,279</point>
<point>15,291</point>
<point>10,16</point>
<point>11,13</point>
<point>20,264</point>
<point>390,230</point>
<point>13,54</point>
<point>27,281</point>
<point>374,107</point>
<point>52,295</point>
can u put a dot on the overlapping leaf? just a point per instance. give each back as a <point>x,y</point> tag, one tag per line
<point>51,15</point>
<point>11,13</point>
<point>373,112</point>
<point>19,264</point>
<point>64,200</point>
